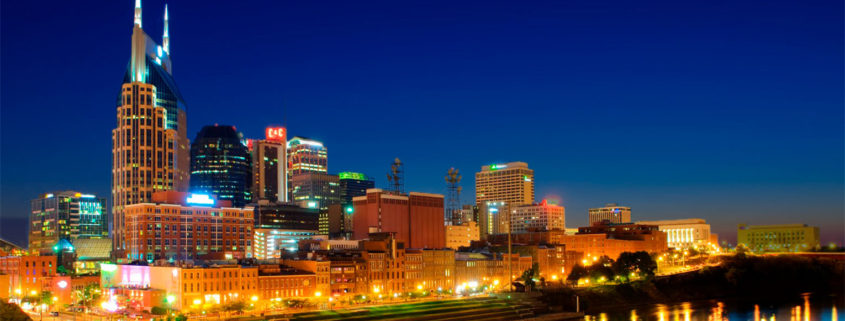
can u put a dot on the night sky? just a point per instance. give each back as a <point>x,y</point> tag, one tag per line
<point>731,111</point>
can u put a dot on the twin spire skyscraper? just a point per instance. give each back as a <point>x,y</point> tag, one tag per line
<point>150,148</point>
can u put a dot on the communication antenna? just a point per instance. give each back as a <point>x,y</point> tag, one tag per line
<point>453,204</point>
<point>394,177</point>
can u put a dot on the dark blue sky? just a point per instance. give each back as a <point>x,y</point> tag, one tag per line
<point>730,111</point>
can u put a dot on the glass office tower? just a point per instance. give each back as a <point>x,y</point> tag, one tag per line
<point>221,165</point>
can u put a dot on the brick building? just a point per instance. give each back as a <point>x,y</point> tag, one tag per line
<point>415,218</point>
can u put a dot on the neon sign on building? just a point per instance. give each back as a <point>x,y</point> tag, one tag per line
<point>276,134</point>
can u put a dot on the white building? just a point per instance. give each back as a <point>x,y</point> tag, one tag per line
<point>683,233</point>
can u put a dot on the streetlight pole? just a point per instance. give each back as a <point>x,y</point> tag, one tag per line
<point>510,255</point>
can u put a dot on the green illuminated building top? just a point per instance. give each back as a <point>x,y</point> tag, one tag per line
<point>353,175</point>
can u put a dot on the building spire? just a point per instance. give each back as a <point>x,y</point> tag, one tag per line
<point>138,13</point>
<point>165,39</point>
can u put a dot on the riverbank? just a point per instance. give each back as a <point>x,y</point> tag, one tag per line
<point>759,277</point>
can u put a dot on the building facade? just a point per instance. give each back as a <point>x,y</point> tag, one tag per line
<point>285,216</point>
<point>354,184</point>
<point>221,165</point>
<point>681,234</point>
<point>190,288</point>
<point>277,282</point>
<point>307,155</point>
<point>611,213</point>
<point>461,235</point>
<point>493,218</point>
<point>778,238</point>
<point>315,190</point>
<point>270,166</point>
<point>271,243</point>
<point>149,143</point>
<point>66,215</point>
<point>416,218</point>
<point>280,227</point>
<point>180,226</point>
<point>512,183</point>
<point>537,217</point>
<point>28,274</point>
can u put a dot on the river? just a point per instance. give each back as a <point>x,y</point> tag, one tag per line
<point>802,308</point>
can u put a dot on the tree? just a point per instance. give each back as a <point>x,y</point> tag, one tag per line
<point>12,312</point>
<point>46,297</point>
<point>235,306</point>
<point>529,275</point>
<point>578,272</point>
<point>637,262</point>
<point>61,270</point>
<point>157,310</point>
<point>87,295</point>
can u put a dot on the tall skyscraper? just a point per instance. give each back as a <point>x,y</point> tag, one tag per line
<point>307,155</point>
<point>610,212</point>
<point>150,145</point>
<point>220,165</point>
<point>512,183</point>
<point>270,167</point>
<point>66,215</point>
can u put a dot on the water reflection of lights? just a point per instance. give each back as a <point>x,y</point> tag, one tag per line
<point>661,312</point>
<point>806,307</point>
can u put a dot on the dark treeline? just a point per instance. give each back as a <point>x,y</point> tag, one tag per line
<point>739,277</point>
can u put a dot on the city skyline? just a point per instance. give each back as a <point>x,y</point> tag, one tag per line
<point>769,165</point>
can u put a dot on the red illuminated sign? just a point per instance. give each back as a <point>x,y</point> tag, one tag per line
<point>276,133</point>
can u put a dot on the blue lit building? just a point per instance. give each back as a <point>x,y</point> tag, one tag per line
<point>221,165</point>
<point>150,63</point>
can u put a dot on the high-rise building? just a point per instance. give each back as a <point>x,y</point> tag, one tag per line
<point>512,183</point>
<point>307,155</point>
<point>220,165</point>
<point>415,218</point>
<point>537,217</point>
<point>270,167</point>
<point>778,238</point>
<point>611,213</point>
<point>66,215</point>
<point>354,184</point>
<point>315,190</point>
<point>150,144</point>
